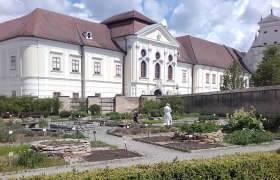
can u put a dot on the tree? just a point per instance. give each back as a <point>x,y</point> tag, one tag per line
<point>233,77</point>
<point>268,71</point>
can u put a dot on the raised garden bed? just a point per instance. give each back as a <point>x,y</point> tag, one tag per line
<point>186,145</point>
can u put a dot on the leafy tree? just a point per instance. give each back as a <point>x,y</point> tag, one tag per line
<point>233,77</point>
<point>268,71</point>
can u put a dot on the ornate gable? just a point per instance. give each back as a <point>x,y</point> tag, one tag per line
<point>157,33</point>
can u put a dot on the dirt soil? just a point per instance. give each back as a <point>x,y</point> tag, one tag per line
<point>167,141</point>
<point>104,155</point>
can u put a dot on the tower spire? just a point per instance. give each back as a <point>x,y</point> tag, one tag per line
<point>271,11</point>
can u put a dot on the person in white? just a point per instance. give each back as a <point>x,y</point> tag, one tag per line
<point>167,116</point>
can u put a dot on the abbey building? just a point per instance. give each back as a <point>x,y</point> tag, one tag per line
<point>47,54</point>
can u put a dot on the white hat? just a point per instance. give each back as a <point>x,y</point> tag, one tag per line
<point>167,104</point>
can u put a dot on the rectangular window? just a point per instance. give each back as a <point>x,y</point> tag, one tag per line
<point>97,68</point>
<point>98,94</point>
<point>184,77</point>
<point>75,65</point>
<point>221,80</point>
<point>14,93</point>
<point>207,78</point>
<point>56,94</point>
<point>56,63</point>
<point>118,70</point>
<point>213,78</point>
<point>76,95</point>
<point>13,62</point>
<point>246,83</point>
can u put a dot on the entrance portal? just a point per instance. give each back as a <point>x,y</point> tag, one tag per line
<point>158,92</point>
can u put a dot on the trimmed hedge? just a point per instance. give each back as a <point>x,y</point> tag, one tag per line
<point>259,165</point>
<point>199,128</point>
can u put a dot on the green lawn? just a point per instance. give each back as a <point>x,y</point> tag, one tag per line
<point>4,150</point>
<point>98,144</point>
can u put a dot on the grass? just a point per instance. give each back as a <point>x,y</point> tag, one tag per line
<point>152,121</point>
<point>100,144</point>
<point>77,135</point>
<point>4,150</point>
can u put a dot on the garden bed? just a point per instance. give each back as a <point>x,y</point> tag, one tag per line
<point>187,146</point>
<point>105,155</point>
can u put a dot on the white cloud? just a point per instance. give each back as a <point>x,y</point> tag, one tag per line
<point>229,22</point>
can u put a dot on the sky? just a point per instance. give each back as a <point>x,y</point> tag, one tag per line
<point>230,22</point>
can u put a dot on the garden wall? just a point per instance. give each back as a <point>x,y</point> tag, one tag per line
<point>266,101</point>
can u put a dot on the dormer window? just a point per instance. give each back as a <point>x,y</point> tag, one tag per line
<point>275,30</point>
<point>157,55</point>
<point>264,43</point>
<point>275,42</point>
<point>178,53</point>
<point>265,32</point>
<point>88,35</point>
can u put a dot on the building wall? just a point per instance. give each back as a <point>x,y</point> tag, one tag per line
<point>34,74</point>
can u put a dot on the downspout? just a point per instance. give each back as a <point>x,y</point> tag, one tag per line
<point>83,88</point>
<point>123,68</point>
<point>82,49</point>
<point>192,89</point>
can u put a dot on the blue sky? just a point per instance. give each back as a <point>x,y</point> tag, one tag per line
<point>229,22</point>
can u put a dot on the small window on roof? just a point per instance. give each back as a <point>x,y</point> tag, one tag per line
<point>265,32</point>
<point>275,30</point>
<point>178,53</point>
<point>275,42</point>
<point>264,43</point>
<point>88,35</point>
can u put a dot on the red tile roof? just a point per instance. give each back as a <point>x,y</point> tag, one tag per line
<point>127,23</point>
<point>58,27</point>
<point>208,53</point>
<point>130,15</point>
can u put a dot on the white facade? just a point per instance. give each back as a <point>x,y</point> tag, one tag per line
<point>44,68</point>
<point>269,34</point>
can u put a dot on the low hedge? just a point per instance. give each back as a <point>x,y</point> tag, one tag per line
<point>258,165</point>
<point>199,128</point>
<point>208,117</point>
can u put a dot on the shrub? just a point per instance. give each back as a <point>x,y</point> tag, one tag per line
<point>43,123</point>
<point>31,159</point>
<point>271,124</point>
<point>258,165</point>
<point>146,106</point>
<point>65,114</point>
<point>156,113</point>
<point>244,137</point>
<point>208,117</point>
<point>176,116</point>
<point>243,120</point>
<point>176,103</point>
<point>76,135</point>
<point>77,114</point>
<point>6,137</point>
<point>118,116</point>
<point>34,113</point>
<point>199,128</point>
<point>94,109</point>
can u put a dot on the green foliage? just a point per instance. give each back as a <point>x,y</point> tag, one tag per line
<point>4,150</point>
<point>94,109</point>
<point>233,77</point>
<point>78,114</point>
<point>176,117</point>
<point>43,123</point>
<point>100,144</point>
<point>5,136</point>
<point>192,115</point>
<point>208,117</point>
<point>271,124</point>
<point>176,103</point>
<point>31,159</point>
<point>76,135</point>
<point>156,113</point>
<point>268,71</point>
<point>65,114</point>
<point>17,104</point>
<point>146,106</point>
<point>199,128</point>
<point>259,165</point>
<point>245,137</point>
<point>243,120</point>
<point>119,116</point>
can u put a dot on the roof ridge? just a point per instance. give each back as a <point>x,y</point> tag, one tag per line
<point>192,49</point>
<point>32,14</point>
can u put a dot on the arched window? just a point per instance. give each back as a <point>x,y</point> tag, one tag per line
<point>143,53</point>
<point>157,55</point>
<point>170,58</point>
<point>170,72</point>
<point>143,69</point>
<point>157,71</point>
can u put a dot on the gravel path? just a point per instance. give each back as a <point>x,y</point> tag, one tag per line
<point>151,154</point>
